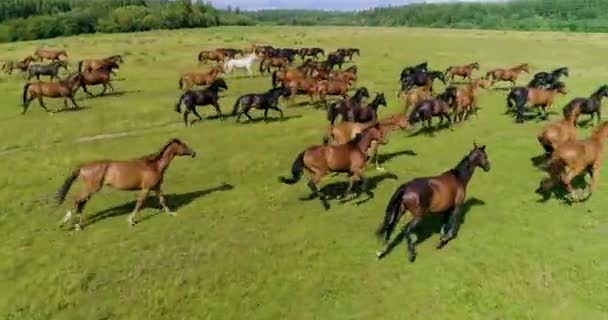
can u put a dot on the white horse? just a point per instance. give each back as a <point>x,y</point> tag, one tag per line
<point>242,63</point>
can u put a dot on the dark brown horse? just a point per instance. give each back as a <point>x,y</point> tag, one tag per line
<point>190,79</point>
<point>311,52</point>
<point>96,64</point>
<point>143,174</point>
<point>98,77</point>
<point>368,112</point>
<point>438,106</point>
<point>53,54</point>
<point>462,71</point>
<point>440,194</point>
<point>273,62</point>
<point>211,55</point>
<point>345,107</point>
<point>591,105</point>
<point>508,74</point>
<point>320,160</point>
<point>207,96</point>
<point>60,89</point>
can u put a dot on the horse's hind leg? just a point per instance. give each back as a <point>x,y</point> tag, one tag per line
<point>407,233</point>
<point>186,112</point>
<point>41,103</point>
<point>312,184</point>
<point>105,88</point>
<point>196,114</point>
<point>74,102</point>
<point>218,110</point>
<point>141,196</point>
<point>279,110</point>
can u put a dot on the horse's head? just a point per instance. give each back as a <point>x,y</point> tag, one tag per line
<point>438,75</point>
<point>524,67</point>
<point>180,148</point>
<point>362,93</point>
<point>422,67</point>
<point>109,66</point>
<point>116,58</point>
<point>380,99</point>
<point>562,70</point>
<point>478,157</point>
<point>219,83</point>
<point>475,65</point>
<point>559,87</point>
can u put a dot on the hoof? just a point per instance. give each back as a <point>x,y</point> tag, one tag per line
<point>77,227</point>
<point>172,213</point>
<point>379,254</point>
<point>380,169</point>
<point>412,257</point>
<point>131,222</point>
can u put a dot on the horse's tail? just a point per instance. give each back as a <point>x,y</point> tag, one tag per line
<point>262,65</point>
<point>274,79</point>
<point>65,187</point>
<point>25,88</point>
<point>237,103</point>
<point>392,212</point>
<point>332,112</point>
<point>181,83</point>
<point>200,56</point>
<point>178,105</point>
<point>80,65</point>
<point>510,99</point>
<point>296,170</point>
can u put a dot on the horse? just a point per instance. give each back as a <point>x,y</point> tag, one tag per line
<point>335,59</point>
<point>572,158</point>
<point>407,71</point>
<point>242,63</point>
<point>230,52</point>
<point>276,62</point>
<point>283,76</point>
<point>368,112</point>
<point>302,85</point>
<point>207,96</point>
<point>22,65</point>
<point>51,70</point>
<point>332,88</point>
<point>534,97</point>
<point>421,79</point>
<point>190,79</point>
<point>60,89</point>
<point>415,96</point>
<point>462,71</point>
<point>556,133</point>
<point>96,64</point>
<point>466,100</point>
<point>439,195</point>
<point>142,174</point>
<point>349,74</point>
<point>319,160</point>
<point>343,107</point>
<point>591,105</point>
<point>439,106</point>
<point>311,52</point>
<point>546,79</point>
<point>53,54</point>
<point>349,52</point>
<point>213,55</point>
<point>97,77</point>
<point>509,74</point>
<point>264,101</point>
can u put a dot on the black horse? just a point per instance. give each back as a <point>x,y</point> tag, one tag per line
<point>52,70</point>
<point>349,52</point>
<point>591,105</point>
<point>335,59</point>
<point>407,71</point>
<point>311,52</point>
<point>439,106</point>
<point>369,112</point>
<point>547,79</point>
<point>207,96</point>
<point>420,79</point>
<point>264,101</point>
<point>345,106</point>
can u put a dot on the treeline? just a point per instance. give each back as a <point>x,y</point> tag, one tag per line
<point>542,15</point>
<point>39,19</point>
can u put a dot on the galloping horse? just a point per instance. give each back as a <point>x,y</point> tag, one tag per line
<point>462,71</point>
<point>344,107</point>
<point>421,79</point>
<point>414,96</point>
<point>440,194</point>
<point>53,54</point>
<point>283,76</point>
<point>556,133</point>
<point>332,88</point>
<point>591,105</point>
<point>572,158</point>
<point>96,64</point>
<point>207,96</point>
<point>311,52</point>
<point>407,71</point>
<point>243,63</point>
<point>368,112</point>
<point>509,74</point>
<point>60,89</point>
<point>190,79</point>
<point>349,74</point>
<point>264,101</point>
<point>466,100</point>
<point>143,174</point>
<point>534,97</point>
<point>22,65</point>
<point>275,62</point>
<point>547,79</point>
<point>349,52</point>
<point>51,70</point>
<point>213,55</point>
<point>319,160</point>
<point>439,106</point>
<point>97,77</point>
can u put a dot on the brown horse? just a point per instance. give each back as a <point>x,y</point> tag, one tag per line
<point>348,75</point>
<point>556,133</point>
<point>60,89</point>
<point>535,97</point>
<point>462,71</point>
<point>96,64</point>
<point>190,79</point>
<point>332,88</point>
<point>466,99</point>
<point>350,157</point>
<point>143,174</point>
<point>303,85</point>
<point>50,54</point>
<point>273,62</point>
<point>283,76</point>
<point>414,96</point>
<point>22,65</point>
<point>440,194</point>
<point>509,74</point>
<point>572,158</point>
<point>97,77</point>
<point>211,55</point>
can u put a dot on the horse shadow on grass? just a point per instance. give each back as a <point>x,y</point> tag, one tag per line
<point>579,184</point>
<point>270,119</point>
<point>430,225</point>
<point>73,109</point>
<point>384,157</point>
<point>174,201</point>
<point>432,130</point>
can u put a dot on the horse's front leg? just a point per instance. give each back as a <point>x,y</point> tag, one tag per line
<point>141,196</point>
<point>162,201</point>
<point>218,110</point>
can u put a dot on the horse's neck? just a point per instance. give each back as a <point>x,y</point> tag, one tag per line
<point>163,162</point>
<point>365,142</point>
<point>464,171</point>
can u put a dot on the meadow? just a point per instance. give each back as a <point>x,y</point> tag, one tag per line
<point>243,245</point>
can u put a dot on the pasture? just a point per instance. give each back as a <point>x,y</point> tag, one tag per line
<point>243,245</point>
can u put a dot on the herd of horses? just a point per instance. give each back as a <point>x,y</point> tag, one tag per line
<point>355,131</point>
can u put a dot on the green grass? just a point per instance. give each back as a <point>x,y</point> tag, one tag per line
<point>258,252</point>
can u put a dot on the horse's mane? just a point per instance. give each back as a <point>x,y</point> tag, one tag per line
<point>459,169</point>
<point>157,155</point>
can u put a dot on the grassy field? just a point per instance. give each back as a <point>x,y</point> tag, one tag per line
<point>254,250</point>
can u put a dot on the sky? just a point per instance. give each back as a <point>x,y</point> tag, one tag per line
<point>320,4</point>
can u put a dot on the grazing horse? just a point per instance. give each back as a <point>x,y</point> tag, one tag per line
<point>97,77</point>
<point>319,160</point>
<point>51,70</point>
<point>243,63</point>
<point>572,158</point>
<point>547,79</point>
<point>344,107</point>
<point>591,105</point>
<point>211,55</point>
<point>96,64</point>
<point>439,106</point>
<point>466,100</point>
<point>264,101</point>
<point>311,52</point>
<point>368,112</point>
<point>534,97</point>
<point>509,74</point>
<point>53,54</point>
<point>60,89</point>
<point>407,71</point>
<point>142,174</point>
<point>439,195</point>
<point>22,65</point>
<point>421,79</point>
<point>275,62</point>
<point>190,79</point>
<point>207,96</point>
<point>462,71</point>
<point>556,133</point>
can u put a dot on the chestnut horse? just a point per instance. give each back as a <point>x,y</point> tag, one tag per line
<point>190,79</point>
<point>96,64</point>
<point>274,62</point>
<point>213,55</point>
<point>53,54</point>
<point>283,76</point>
<point>462,71</point>
<point>332,88</point>
<point>466,99</point>
<point>534,97</point>
<point>572,158</point>
<point>60,89</point>
<point>142,174</point>
<point>556,133</point>
<point>303,85</point>
<point>98,77</point>
<point>319,160</point>
<point>349,74</point>
<point>509,74</point>
<point>440,195</point>
<point>591,105</point>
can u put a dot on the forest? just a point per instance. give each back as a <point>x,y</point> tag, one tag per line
<point>37,19</point>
